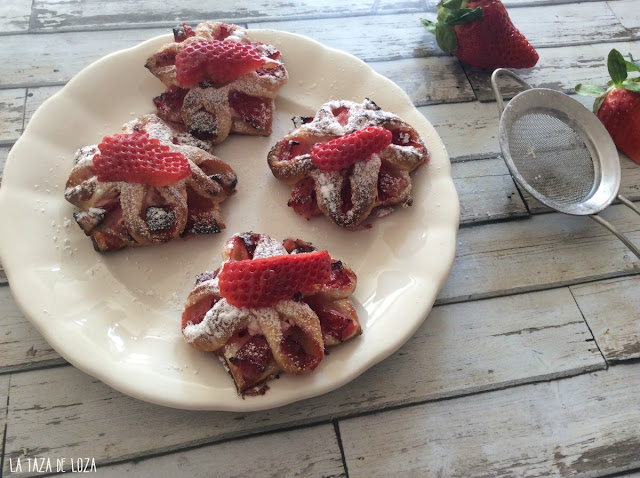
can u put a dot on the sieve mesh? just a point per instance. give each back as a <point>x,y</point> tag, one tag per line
<point>551,157</point>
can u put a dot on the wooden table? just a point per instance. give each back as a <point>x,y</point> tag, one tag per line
<point>527,365</point>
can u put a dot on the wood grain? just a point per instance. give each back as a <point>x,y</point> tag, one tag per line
<point>14,16</point>
<point>580,426</point>
<point>52,59</point>
<point>559,68</point>
<point>428,80</point>
<point>11,114</point>
<point>611,310</point>
<point>547,250</point>
<point>35,98</point>
<point>21,344</point>
<point>486,191</point>
<point>305,452</point>
<point>545,330</point>
<point>60,15</point>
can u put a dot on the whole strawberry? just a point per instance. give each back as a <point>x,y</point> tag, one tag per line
<point>481,34</point>
<point>619,106</point>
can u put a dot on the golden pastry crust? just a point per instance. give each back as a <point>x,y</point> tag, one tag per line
<point>257,344</point>
<point>212,111</point>
<point>348,196</point>
<point>121,214</point>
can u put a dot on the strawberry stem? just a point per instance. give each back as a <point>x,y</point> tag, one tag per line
<point>450,13</point>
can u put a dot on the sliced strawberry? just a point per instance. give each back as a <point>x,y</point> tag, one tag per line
<point>253,357</point>
<point>216,61</point>
<point>332,322</point>
<point>195,313</point>
<point>265,281</point>
<point>340,278</point>
<point>256,111</point>
<point>169,104</point>
<point>344,151</point>
<point>138,158</point>
<point>481,34</point>
<point>299,349</point>
<point>303,199</point>
<point>390,186</point>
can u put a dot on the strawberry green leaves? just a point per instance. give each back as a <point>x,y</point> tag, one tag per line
<point>619,70</point>
<point>618,108</point>
<point>450,13</point>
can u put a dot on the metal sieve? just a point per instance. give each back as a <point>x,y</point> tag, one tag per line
<point>560,152</point>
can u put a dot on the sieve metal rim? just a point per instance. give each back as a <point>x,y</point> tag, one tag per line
<point>591,131</point>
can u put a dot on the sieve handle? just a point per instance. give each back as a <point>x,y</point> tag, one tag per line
<point>628,203</point>
<point>496,88</point>
<point>617,233</point>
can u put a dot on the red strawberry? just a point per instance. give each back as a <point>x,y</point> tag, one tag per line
<point>252,109</point>
<point>481,34</point>
<point>137,158</point>
<point>619,106</point>
<point>342,152</point>
<point>215,60</point>
<point>263,282</point>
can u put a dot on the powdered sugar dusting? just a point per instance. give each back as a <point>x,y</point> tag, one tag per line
<point>268,247</point>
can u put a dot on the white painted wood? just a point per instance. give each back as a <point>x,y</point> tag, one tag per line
<point>611,310</point>
<point>428,80</point>
<point>460,349</point>
<point>629,15</point>
<point>546,250</point>
<point>22,345</point>
<point>468,130</point>
<point>306,452</point>
<point>11,114</point>
<point>98,14</point>
<point>404,37</point>
<point>580,426</point>
<point>486,191</point>
<point>559,68</point>
<point>52,59</point>
<point>14,16</point>
<point>35,98</point>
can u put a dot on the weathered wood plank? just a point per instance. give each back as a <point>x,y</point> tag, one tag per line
<point>4,394</point>
<point>11,114</point>
<point>560,68</point>
<point>629,15</point>
<point>52,59</point>
<point>543,251</point>
<point>446,357</point>
<point>59,15</point>
<point>35,98</point>
<point>468,130</point>
<point>486,191</point>
<point>21,344</point>
<point>428,80</point>
<point>581,426</point>
<point>305,452</point>
<point>4,152</point>
<point>405,37</point>
<point>14,16</point>
<point>611,310</point>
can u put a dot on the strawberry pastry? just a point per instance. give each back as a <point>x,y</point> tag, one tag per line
<point>347,161</point>
<point>270,308</point>
<point>218,81</point>
<point>148,185</point>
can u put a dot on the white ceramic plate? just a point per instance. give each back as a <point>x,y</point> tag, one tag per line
<point>117,316</point>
